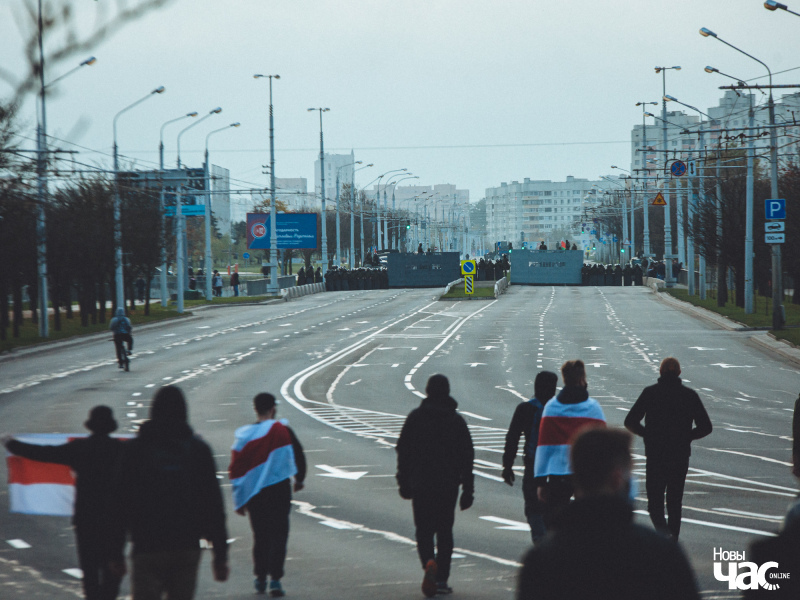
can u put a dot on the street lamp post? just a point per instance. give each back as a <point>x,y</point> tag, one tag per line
<point>42,158</point>
<point>777,275</point>
<point>351,262</point>
<point>668,278</point>
<point>322,178</point>
<point>164,292</point>
<point>119,280</point>
<point>273,211</point>
<point>378,204</point>
<point>180,250</point>
<point>646,202</point>
<point>773,6</point>
<point>394,216</point>
<point>207,164</point>
<point>338,257</point>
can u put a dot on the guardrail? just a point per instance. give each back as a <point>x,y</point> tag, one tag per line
<point>451,284</point>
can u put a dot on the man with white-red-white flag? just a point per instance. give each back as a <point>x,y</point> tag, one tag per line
<point>265,457</point>
<point>566,415</point>
<point>40,483</point>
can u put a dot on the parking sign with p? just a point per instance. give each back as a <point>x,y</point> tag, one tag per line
<point>775,209</point>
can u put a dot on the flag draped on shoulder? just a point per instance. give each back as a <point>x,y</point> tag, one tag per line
<point>262,456</point>
<point>560,423</point>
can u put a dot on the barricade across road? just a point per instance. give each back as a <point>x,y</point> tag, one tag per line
<point>547,267</point>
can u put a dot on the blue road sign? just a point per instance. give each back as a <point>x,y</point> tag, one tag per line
<point>775,209</point>
<point>245,255</point>
<point>678,168</point>
<point>187,210</point>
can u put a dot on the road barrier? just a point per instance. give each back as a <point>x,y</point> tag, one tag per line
<point>408,270</point>
<point>547,267</point>
<point>500,286</point>
<point>302,290</point>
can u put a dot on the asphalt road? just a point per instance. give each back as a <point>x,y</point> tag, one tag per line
<point>349,366</point>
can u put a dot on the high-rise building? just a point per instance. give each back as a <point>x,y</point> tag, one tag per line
<point>542,210</point>
<point>343,164</point>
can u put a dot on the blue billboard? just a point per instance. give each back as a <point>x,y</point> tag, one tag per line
<point>294,230</point>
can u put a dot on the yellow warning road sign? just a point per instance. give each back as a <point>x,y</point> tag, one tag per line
<point>659,201</point>
<point>467,284</point>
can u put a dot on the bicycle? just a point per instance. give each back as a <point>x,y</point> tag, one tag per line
<point>123,355</point>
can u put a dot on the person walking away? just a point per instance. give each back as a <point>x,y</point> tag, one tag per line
<point>140,285</point>
<point>525,422</point>
<point>265,456</point>
<point>235,283</point>
<point>301,277</point>
<point>434,458</point>
<point>562,418</point>
<point>674,416</point>
<point>122,329</point>
<point>93,460</point>
<point>596,551</point>
<point>167,497</point>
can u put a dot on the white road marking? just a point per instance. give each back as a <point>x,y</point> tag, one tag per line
<point>717,525</point>
<point>764,458</point>
<point>169,335</point>
<point>204,327</point>
<point>19,544</point>
<point>306,509</point>
<point>340,473</point>
<point>508,524</point>
<point>750,514</point>
<point>701,349</point>
<point>474,416</point>
<point>136,394</point>
<point>76,573</point>
<point>727,366</point>
<point>591,347</point>
<point>150,385</point>
<point>473,365</point>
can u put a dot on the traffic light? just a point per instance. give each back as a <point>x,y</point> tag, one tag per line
<point>622,250</point>
<point>408,225</point>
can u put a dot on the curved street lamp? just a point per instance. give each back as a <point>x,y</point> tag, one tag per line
<point>777,274</point>
<point>180,262</point>
<point>118,279</point>
<point>322,181</point>
<point>771,5</point>
<point>207,167</point>
<point>351,262</point>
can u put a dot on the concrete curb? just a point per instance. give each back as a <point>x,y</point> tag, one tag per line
<point>302,290</point>
<point>785,349</point>
<point>766,340</point>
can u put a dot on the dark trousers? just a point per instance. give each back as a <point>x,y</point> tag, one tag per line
<point>534,508</point>
<point>269,519</point>
<point>666,475</point>
<point>558,491</point>
<point>99,583</point>
<point>434,515</point>
<point>119,339</point>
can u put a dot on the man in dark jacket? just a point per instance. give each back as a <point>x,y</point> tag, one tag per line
<point>525,423</point>
<point>92,459</point>
<point>596,550</point>
<point>434,458</point>
<point>674,416</point>
<point>168,498</point>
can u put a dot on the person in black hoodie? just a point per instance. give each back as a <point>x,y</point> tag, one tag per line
<point>168,498</point>
<point>92,459</point>
<point>595,549</point>
<point>434,458</point>
<point>670,409</point>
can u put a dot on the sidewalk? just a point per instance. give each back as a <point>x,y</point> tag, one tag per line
<point>763,338</point>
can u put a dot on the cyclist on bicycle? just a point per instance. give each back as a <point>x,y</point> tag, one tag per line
<point>121,326</point>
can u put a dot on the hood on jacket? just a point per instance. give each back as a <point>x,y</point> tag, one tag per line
<point>442,404</point>
<point>670,380</point>
<point>120,312</point>
<point>165,430</point>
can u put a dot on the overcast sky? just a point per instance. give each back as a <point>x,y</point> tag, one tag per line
<point>457,91</point>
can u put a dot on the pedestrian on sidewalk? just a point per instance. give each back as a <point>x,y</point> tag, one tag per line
<point>168,498</point>
<point>596,551</point>
<point>266,455</point>
<point>434,458</point>
<point>562,419</point>
<point>216,283</point>
<point>525,422</point>
<point>93,460</point>
<point>674,416</point>
<point>235,283</point>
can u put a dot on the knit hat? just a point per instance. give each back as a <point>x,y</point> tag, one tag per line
<point>437,387</point>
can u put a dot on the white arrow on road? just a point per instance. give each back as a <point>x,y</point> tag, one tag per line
<point>596,365</point>
<point>701,349</point>
<point>592,347</point>
<point>473,365</point>
<point>724,366</point>
<point>340,473</point>
<point>508,524</point>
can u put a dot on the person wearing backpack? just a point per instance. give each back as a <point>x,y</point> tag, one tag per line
<point>121,326</point>
<point>525,423</point>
